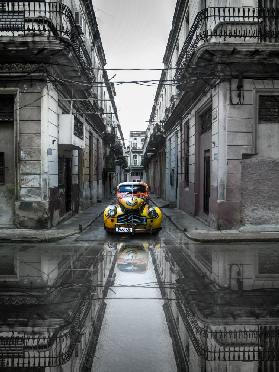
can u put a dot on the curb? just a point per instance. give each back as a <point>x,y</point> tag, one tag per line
<point>52,238</point>
<point>222,239</point>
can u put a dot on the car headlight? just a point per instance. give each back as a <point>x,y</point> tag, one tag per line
<point>153,213</point>
<point>112,211</point>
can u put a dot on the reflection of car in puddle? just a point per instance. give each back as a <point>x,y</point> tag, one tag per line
<point>133,258</point>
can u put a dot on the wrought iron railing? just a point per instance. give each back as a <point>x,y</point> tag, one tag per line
<point>37,19</point>
<point>232,342</point>
<point>46,349</point>
<point>221,24</point>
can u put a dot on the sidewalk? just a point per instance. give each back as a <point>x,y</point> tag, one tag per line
<point>196,230</point>
<point>67,228</point>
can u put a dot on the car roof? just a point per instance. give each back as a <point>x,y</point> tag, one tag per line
<point>132,183</point>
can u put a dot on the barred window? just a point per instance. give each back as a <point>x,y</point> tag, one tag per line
<point>2,168</point>
<point>268,109</point>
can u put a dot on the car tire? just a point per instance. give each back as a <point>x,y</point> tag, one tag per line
<point>108,231</point>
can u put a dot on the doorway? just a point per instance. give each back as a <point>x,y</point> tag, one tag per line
<point>68,183</point>
<point>206,183</point>
<point>7,160</point>
<point>204,161</point>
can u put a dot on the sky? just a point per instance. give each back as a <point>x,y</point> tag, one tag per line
<point>134,35</point>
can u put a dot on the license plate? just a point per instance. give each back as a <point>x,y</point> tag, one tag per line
<point>123,229</point>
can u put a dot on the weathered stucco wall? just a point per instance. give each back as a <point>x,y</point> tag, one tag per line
<point>259,191</point>
<point>31,208</point>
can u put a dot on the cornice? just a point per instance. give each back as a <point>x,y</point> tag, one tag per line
<point>177,20</point>
<point>94,30</point>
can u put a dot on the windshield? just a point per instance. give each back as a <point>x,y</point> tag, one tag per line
<point>132,188</point>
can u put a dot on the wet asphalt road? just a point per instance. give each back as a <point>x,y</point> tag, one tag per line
<point>144,303</point>
<point>134,336</point>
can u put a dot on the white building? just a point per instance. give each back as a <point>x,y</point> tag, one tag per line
<point>134,154</point>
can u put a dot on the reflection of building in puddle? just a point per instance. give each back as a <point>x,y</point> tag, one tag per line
<point>218,320</point>
<point>52,307</point>
<point>241,267</point>
<point>133,257</point>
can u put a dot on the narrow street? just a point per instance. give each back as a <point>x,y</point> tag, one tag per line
<point>139,173</point>
<point>141,303</point>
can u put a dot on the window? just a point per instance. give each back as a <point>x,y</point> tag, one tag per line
<point>2,168</point>
<point>206,120</point>
<point>135,145</point>
<point>6,107</point>
<point>78,128</point>
<point>268,109</point>
<point>77,18</point>
<point>135,159</point>
<point>132,188</point>
<point>8,266</point>
<point>268,4</point>
<point>186,153</point>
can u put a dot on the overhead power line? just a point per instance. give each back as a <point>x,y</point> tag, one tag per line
<point>139,69</point>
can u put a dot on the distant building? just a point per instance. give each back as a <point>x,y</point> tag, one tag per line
<point>134,155</point>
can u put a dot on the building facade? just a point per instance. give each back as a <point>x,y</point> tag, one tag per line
<point>58,119</point>
<point>134,155</point>
<point>217,105</point>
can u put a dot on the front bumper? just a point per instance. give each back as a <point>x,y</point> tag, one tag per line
<point>134,229</point>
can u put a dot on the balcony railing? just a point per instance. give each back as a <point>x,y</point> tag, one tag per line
<point>38,19</point>
<point>222,24</point>
<point>231,342</point>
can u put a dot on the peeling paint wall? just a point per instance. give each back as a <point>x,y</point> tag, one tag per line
<point>31,209</point>
<point>259,191</point>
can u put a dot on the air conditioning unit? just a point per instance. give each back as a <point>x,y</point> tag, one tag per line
<point>71,131</point>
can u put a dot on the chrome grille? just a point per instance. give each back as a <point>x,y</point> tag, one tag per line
<point>131,218</point>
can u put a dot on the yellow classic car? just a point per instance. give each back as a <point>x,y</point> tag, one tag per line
<point>132,214</point>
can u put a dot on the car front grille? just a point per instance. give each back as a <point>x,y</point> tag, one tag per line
<point>131,218</point>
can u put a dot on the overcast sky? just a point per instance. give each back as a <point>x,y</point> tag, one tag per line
<point>134,35</point>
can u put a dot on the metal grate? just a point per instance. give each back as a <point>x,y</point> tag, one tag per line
<point>268,109</point>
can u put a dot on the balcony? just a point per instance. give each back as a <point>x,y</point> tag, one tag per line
<point>230,33</point>
<point>32,31</point>
<point>156,139</point>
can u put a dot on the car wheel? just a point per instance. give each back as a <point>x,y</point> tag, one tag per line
<point>108,231</point>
